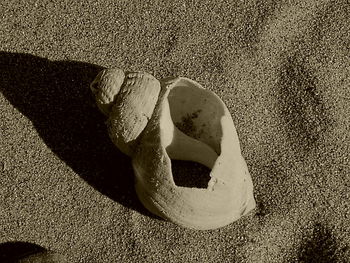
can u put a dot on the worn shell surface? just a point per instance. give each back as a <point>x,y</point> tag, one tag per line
<point>106,86</point>
<point>229,194</point>
<point>143,118</point>
<point>128,99</point>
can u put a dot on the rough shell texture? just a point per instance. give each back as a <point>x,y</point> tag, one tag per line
<point>128,99</point>
<point>132,110</point>
<point>106,86</point>
<point>229,194</point>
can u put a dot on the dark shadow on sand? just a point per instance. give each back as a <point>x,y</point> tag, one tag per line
<point>24,252</point>
<point>11,252</point>
<point>55,96</point>
<point>320,247</point>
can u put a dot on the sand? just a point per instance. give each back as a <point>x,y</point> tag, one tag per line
<point>282,68</point>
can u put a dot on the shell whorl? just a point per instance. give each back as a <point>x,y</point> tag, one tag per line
<point>106,86</point>
<point>128,99</point>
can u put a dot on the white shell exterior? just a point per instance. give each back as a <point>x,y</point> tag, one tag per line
<point>128,99</point>
<point>106,86</point>
<point>141,124</point>
<point>229,194</point>
<point>132,109</point>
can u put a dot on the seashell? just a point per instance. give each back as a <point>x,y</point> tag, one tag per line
<point>211,140</point>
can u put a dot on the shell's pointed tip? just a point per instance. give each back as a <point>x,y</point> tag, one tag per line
<point>106,86</point>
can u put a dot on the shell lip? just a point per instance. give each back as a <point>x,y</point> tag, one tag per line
<point>216,179</point>
<point>172,82</point>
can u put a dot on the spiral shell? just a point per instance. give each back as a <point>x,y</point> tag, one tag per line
<point>129,100</point>
<point>142,117</point>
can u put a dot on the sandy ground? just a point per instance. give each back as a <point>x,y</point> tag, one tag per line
<point>282,68</point>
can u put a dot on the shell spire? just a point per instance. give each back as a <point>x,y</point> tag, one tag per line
<point>128,99</point>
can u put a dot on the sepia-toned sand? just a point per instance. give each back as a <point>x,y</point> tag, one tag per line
<point>281,67</point>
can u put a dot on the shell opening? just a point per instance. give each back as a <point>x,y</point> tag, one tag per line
<point>197,113</point>
<point>190,174</point>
